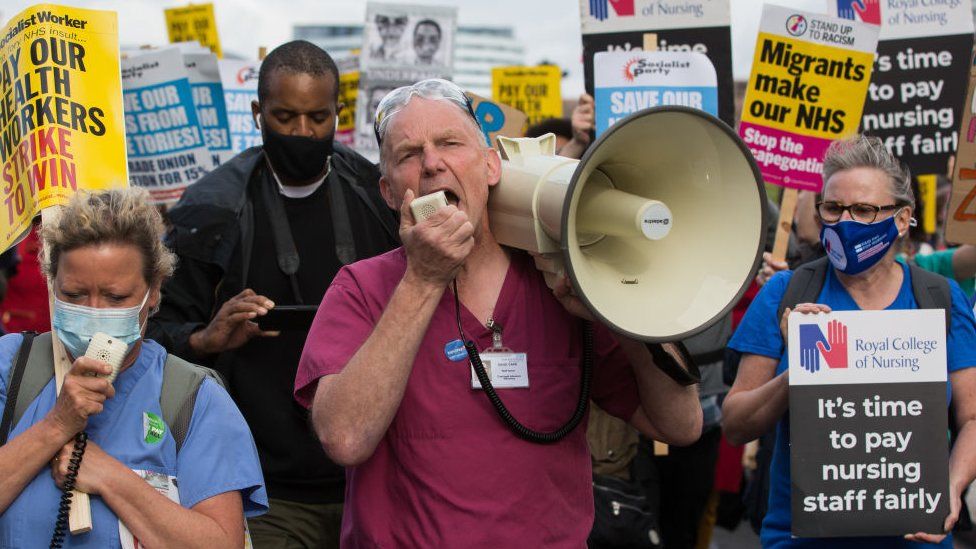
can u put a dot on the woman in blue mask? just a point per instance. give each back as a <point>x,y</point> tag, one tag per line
<point>866,205</point>
<point>105,264</point>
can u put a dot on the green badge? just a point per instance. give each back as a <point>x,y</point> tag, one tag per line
<point>153,427</point>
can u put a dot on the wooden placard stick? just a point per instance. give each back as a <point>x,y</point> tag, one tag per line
<point>79,519</point>
<point>650,41</point>
<point>262,52</point>
<point>787,209</point>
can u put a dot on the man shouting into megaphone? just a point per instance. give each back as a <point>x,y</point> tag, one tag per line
<point>390,382</point>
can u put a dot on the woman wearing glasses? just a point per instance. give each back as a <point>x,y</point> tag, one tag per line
<point>867,205</point>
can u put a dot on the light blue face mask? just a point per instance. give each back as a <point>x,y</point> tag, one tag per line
<point>76,324</point>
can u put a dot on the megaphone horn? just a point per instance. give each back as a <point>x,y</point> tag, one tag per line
<point>660,226</point>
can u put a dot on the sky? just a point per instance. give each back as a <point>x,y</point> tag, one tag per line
<point>548,29</point>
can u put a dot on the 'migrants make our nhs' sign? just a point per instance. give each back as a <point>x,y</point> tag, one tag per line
<point>868,422</point>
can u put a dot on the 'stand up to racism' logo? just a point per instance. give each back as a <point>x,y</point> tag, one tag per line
<point>868,11</point>
<point>600,9</point>
<point>246,74</point>
<point>813,345</point>
<point>796,25</point>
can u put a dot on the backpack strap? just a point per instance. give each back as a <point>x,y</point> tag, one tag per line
<point>931,291</point>
<point>13,388</point>
<point>178,396</point>
<point>37,374</point>
<point>805,285</point>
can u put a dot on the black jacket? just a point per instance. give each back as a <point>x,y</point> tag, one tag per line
<point>212,234</point>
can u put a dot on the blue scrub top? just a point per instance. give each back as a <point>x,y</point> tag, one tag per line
<point>759,334</point>
<point>218,453</point>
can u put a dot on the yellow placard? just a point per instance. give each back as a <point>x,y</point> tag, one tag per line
<point>927,189</point>
<point>533,90</point>
<point>194,22</point>
<point>61,125</point>
<point>348,90</point>
<point>806,88</point>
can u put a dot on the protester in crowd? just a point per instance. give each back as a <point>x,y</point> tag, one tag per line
<point>957,263</point>
<point>429,462</point>
<point>562,128</point>
<point>273,226</point>
<point>25,306</point>
<point>865,188</point>
<point>106,264</point>
<point>8,268</point>
<point>426,41</point>
<point>583,125</point>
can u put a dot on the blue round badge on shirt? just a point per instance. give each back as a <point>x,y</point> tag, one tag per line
<point>455,351</point>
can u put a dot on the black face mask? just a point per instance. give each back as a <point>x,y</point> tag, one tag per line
<point>296,159</point>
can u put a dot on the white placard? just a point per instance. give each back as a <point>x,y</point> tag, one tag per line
<point>856,347</point>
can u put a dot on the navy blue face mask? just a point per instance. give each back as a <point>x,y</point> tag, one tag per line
<point>853,247</point>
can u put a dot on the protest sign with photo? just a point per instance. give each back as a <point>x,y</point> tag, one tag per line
<point>497,119</point>
<point>415,38</point>
<point>402,44</point>
<point>809,78</point>
<point>166,148</point>
<point>627,82</point>
<point>194,22</point>
<point>371,92</point>
<point>208,98</point>
<point>348,92</point>
<point>869,448</point>
<point>961,218</point>
<point>674,26</point>
<point>914,100</point>
<point>239,79</point>
<point>532,90</point>
<point>61,126</point>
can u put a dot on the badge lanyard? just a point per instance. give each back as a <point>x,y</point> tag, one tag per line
<point>523,432</point>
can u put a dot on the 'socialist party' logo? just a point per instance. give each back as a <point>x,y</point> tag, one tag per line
<point>796,24</point>
<point>246,74</point>
<point>814,345</point>
<point>600,9</point>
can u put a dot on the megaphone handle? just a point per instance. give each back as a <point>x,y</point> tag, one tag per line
<point>671,365</point>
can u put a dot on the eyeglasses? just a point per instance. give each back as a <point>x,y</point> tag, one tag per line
<point>831,212</point>
<point>432,88</point>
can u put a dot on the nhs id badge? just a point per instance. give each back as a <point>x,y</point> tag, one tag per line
<point>505,370</point>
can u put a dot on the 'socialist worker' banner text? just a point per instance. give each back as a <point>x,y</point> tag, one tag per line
<point>809,78</point>
<point>532,90</point>
<point>194,22</point>
<point>869,454</point>
<point>60,111</point>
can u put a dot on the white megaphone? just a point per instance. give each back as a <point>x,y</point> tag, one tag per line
<point>660,226</point>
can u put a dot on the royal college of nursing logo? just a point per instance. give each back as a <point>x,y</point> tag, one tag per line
<point>600,9</point>
<point>796,24</point>
<point>813,346</point>
<point>868,11</point>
